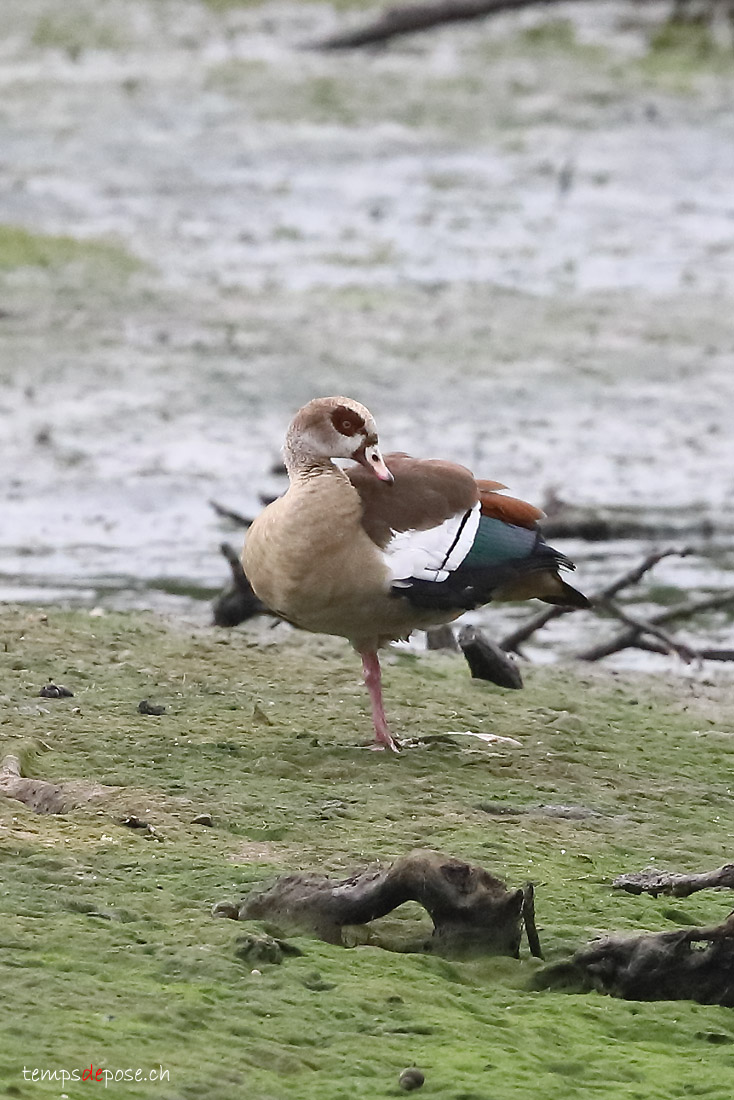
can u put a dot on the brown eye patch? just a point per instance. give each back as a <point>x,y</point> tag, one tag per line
<point>347,421</point>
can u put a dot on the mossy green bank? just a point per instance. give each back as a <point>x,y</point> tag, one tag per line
<point>110,955</point>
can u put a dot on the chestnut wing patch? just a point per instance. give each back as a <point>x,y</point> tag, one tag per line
<point>508,509</point>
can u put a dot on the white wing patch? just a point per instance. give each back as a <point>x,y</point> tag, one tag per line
<point>433,554</point>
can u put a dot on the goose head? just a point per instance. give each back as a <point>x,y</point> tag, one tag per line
<point>334,427</point>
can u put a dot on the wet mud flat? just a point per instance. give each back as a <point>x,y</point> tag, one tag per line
<point>512,240</point>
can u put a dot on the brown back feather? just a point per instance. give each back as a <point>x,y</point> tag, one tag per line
<point>425,493</point>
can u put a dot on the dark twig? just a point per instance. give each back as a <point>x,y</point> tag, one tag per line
<point>705,654</point>
<point>442,637</point>
<point>407,18</point>
<point>238,601</point>
<point>629,636</point>
<point>230,514</point>
<point>667,641</point>
<point>528,916</point>
<point>634,575</point>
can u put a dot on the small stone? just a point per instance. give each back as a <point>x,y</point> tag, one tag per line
<point>203,819</point>
<point>258,947</point>
<point>144,707</point>
<point>226,909</point>
<point>569,723</point>
<point>411,1078</point>
<point>256,973</point>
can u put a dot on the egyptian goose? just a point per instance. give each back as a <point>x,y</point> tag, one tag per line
<point>390,544</point>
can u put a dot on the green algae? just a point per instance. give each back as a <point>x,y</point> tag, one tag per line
<point>513,81</point>
<point>76,31</point>
<point>20,248</point>
<point>686,48</point>
<point>110,954</point>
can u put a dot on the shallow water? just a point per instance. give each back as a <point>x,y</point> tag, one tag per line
<point>512,240</point>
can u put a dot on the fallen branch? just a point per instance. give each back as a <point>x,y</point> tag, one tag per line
<point>41,796</point>
<point>472,911</point>
<point>408,18</point>
<point>654,882</point>
<point>591,525</point>
<point>667,641</point>
<point>625,580</point>
<point>629,636</point>
<point>229,513</point>
<point>705,654</point>
<point>237,602</point>
<point>528,916</point>
<point>661,966</point>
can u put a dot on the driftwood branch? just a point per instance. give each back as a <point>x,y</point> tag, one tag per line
<point>628,637</point>
<point>662,966</point>
<point>408,18</point>
<point>625,580</point>
<point>41,796</point>
<point>237,602</point>
<point>528,916</point>
<point>704,653</point>
<point>644,626</point>
<point>230,514</point>
<point>472,910</point>
<point>652,881</point>
<point>648,634</point>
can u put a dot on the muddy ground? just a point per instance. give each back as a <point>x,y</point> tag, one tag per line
<point>513,240</point>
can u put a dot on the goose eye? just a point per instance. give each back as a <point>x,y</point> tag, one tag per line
<point>346,425</point>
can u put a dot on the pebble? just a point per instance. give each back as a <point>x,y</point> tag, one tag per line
<point>410,1079</point>
<point>144,707</point>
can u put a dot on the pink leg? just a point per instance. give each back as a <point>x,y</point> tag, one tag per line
<point>373,680</point>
